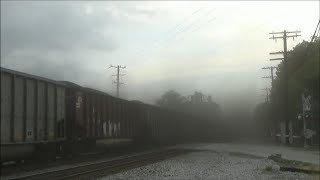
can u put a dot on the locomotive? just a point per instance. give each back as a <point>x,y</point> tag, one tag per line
<point>40,115</point>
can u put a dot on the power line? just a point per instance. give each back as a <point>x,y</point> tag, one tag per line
<point>192,23</point>
<point>187,17</point>
<point>208,22</point>
<point>142,51</point>
<point>187,27</point>
<point>179,32</point>
<point>175,27</point>
<point>310,45</point>
<point>312,39</point>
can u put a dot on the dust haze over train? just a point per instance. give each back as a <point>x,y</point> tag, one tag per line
<point>193,74</point>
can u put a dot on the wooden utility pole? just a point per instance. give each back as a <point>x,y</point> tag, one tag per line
<point>267,91</point>
<point>273,110</point>
<point>117,82</point>
<point>284,76</point>
<point>271,72</point>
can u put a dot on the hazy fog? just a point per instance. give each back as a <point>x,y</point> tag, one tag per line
<point>217,48</point>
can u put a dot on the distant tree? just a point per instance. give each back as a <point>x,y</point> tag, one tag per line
<point>303,73</point>
<point>206,110</point>
<point>171,99</point>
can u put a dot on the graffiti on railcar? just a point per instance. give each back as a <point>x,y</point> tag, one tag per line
<point>104,126</point>
<point>79,101</point>
<point>114,129</point>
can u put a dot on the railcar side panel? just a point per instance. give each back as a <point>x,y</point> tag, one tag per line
<point>61,130</point>
<point>130,119</point>
<point>6,107</point>
<point>104,110</point>
<point>87,115</point>
<point>41,110</point>
<point>93,116</point>
<point>80,115</point>
<point>18,109</point>
<point>99,109</point>
<point>110,116</point>
<point>116,120</point>
<point>121,119</point>
<point>50,111</point>
<point>28,108</point>
<point>31,107</point>
<point>126,123</point>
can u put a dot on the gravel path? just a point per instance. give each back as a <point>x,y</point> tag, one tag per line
<point>209,165</point>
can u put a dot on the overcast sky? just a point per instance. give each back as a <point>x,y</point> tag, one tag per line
<point>217,48</point>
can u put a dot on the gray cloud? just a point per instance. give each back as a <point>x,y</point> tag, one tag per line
<point>62,26</point>
<point>57,40</point>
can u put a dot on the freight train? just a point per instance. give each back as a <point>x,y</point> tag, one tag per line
<point>40,115</point>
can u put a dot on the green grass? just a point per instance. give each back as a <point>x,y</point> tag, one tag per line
<point>268,168</point>
<point>296,164</point>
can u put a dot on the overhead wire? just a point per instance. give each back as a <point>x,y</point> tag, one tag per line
<point>313,38</point>
<point>193,23</point>
<point>183,30</point>
<point>305,55</point>
<point>187,27</point>
<point>141,52</point>
<point>175,27</point>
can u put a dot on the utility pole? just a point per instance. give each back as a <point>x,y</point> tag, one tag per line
<point>118,76</point>
<point>267,91</point>
<point>284,76</point>
<point>271,72</point>
<point>272,101</point>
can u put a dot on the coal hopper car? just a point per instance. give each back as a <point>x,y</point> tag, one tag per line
<point>45,117</point>
<point>32,114</point>
<point>96,116</point>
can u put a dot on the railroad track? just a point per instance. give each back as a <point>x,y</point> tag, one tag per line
<point>100,168</point>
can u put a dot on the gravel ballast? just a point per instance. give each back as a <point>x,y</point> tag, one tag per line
<point>210,165</point>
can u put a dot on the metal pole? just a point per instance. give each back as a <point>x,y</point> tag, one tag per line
<point>303,97</point>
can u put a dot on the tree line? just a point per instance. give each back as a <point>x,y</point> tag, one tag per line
<point>198,104</point>
<point>303,77</point>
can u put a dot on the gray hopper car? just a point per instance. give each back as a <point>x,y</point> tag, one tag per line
<point>32,113</point>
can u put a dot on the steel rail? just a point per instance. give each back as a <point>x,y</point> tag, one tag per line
<point>101,166</point>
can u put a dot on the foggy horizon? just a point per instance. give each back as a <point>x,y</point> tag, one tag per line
<point>217,48</point>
